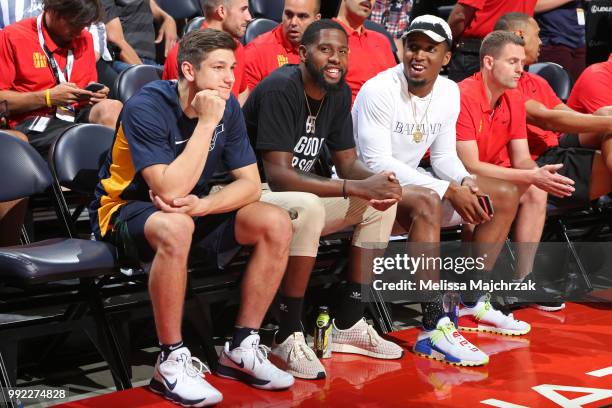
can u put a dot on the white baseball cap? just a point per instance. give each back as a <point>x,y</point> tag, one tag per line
<point>433,27</point>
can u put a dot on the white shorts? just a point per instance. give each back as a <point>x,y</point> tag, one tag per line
<point>450,217</point>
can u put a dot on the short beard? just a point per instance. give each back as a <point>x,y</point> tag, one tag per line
<point>416,83</point>
<point>320,81</point>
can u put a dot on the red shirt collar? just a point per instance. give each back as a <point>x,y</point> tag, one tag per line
<point>279,36</point>
<point>349,30</point>
<point>484,100</point>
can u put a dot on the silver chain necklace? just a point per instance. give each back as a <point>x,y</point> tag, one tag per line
<point>312,120</point>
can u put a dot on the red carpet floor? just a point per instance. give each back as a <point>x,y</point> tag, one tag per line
<point>565,361</point>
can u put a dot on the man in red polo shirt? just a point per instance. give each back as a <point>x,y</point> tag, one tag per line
<point>470,21</point>
<point>280,46</point>
<point>492,119</point>
<point>548,117</point>
<point>590,92</point>
<point>46,64</point>
<point>370,52</point>
<point>231,16</point>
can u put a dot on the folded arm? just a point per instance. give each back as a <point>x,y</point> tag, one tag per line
<point>563,119</point>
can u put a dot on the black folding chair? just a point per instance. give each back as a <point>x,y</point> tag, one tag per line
<point>444,12</point>
<point>270,9</point>
<point>257,27</point>
<point>37,271</point>
<point>181,9</point>
<point>75,159</point>
<point>556,221</point>
<point>130,81</point>
<point>556,76</point>
<point>194,24</point>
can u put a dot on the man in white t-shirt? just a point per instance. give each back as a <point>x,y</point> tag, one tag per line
<point>397,117</point>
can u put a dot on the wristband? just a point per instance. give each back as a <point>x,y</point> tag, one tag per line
<point>48,98</point>
<point>344,190</point>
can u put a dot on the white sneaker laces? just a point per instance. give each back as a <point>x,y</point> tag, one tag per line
<point>300,350</point>
<point>194,367</point>
<point>261,352</point>
<point>375,339</point>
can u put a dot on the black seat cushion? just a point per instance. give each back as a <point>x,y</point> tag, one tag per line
<point>56,259</point>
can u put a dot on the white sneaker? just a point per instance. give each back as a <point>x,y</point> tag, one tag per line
<point>446,344</point>
<point>180,379</point>
<point>483,317</point>
<point>249,363</point>
<point>295,357</point>
<point>363,339</point>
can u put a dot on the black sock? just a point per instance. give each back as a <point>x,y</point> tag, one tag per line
<point>474,297</point>
<point>470,298</point>
<point>351,308</point>
<point>433,310</point>
<point>166,349</point>
<point>241,333</point>
<point>289,311</point>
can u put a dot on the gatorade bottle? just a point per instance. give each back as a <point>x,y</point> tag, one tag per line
<point>323,333</point>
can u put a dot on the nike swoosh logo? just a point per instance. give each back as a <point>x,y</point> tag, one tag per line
<point>168,383</point>
<point>181,142</point>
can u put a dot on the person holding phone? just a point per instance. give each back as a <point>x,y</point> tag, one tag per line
<point>49,61</point>
<point>397,117</point>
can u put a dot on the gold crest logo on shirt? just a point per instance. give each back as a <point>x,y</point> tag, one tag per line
<point>282,60</point>
<point>40,60</point>
<point>480,127</point>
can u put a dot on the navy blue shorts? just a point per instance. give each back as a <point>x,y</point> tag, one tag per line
<point>213,237</point>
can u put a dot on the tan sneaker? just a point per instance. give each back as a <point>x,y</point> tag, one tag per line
<point>295,357</point>
<point>363,339</point>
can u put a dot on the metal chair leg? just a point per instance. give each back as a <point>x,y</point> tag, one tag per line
<point>110,341</point>
<point>572,248</point>
<point>5,383</point>
<point>381,312</point>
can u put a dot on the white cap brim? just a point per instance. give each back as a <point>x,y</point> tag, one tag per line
<point>434,36</point>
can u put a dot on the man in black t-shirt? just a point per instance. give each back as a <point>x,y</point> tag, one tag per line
<point>290,115</point>
<point>130,25</point>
